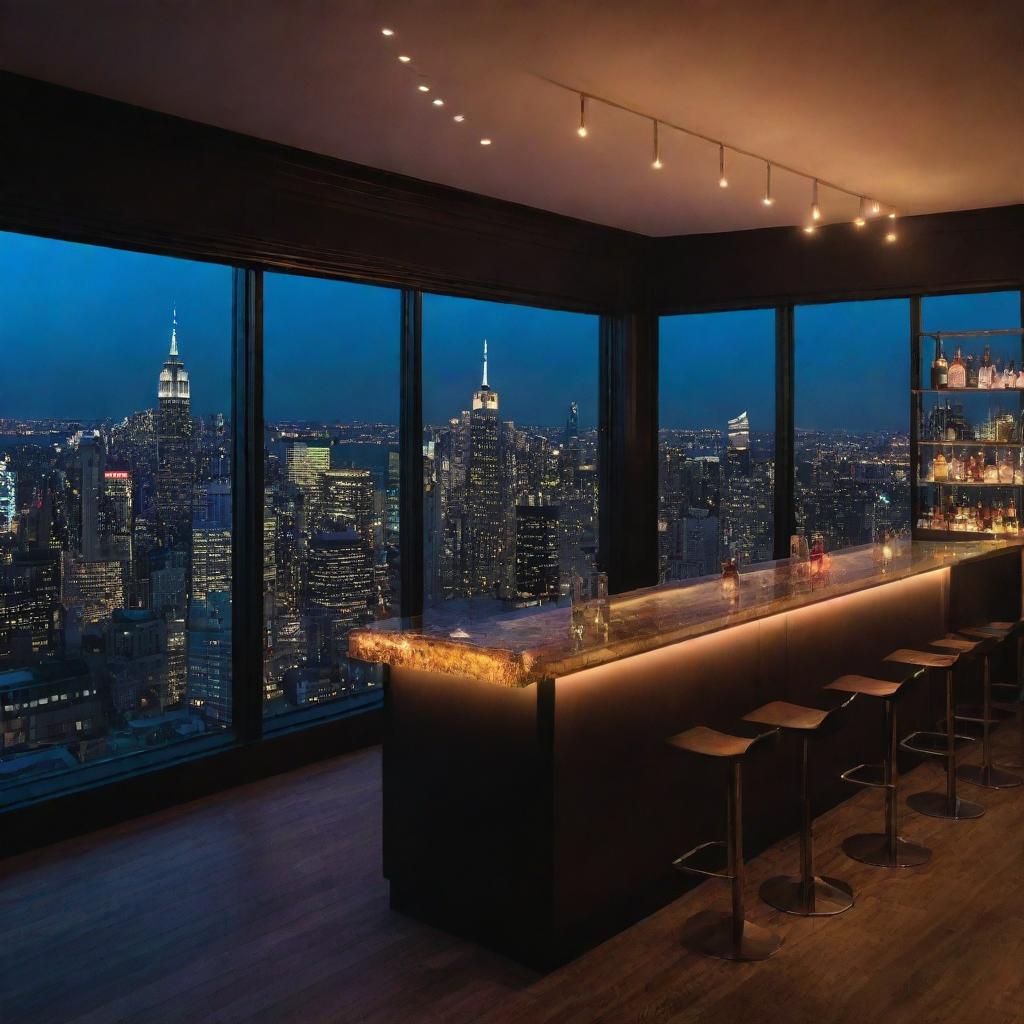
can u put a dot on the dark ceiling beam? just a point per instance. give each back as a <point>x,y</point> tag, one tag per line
<point>969,250</point>
<point>84,168</point>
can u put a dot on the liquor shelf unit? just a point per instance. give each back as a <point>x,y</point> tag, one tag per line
<point>967,434</point>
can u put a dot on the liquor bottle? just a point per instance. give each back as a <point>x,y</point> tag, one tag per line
<point>940,468</point>
<point>1006,471</point>
<point>998,378</point>
<point>940,368</point>
<point>1009,376</point>
<point>956,376</point>
<point>972,371</point>
<point>986,372</point>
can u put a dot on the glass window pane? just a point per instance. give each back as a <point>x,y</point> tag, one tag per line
<point>716,442</point>
<point>331,391</point>
<point>115,506</point>
<point>510,445</point>
<point>852,420</point>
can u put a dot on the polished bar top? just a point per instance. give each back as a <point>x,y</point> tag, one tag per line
<point>481,640</point>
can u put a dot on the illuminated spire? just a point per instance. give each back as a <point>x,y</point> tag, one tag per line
<point>485,364</point>
<point>174,332</point>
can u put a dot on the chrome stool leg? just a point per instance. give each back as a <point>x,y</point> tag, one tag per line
<point>734,937</point>
<point>944,805</point>
<point>809,895</point>
<point>986,774</point>
<point>888,849</point>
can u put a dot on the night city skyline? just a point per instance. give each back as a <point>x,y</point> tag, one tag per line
<point>59,297</point>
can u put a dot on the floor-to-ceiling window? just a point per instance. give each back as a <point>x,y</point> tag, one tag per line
<point>115,507</point>
<point>510,451</point>
<point>852,402</point>
<point>331,352</point>
<point>716,441</point>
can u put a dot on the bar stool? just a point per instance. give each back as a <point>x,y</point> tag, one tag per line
<point>987,774</point>
<point>732,937</point>
<point>886,849</point>
<point>808,895</point>
<point>945,744</point>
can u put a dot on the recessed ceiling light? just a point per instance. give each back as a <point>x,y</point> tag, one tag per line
<point>423,88</point>
<point>387,31</point>
<point>485,142</point>
<point>439,102</point>
<point>404,59</point>
<point>459,117</point>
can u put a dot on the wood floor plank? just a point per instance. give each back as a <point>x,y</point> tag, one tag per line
<point>265,905</point>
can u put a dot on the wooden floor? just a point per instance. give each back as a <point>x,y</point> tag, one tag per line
<point>266,904</point>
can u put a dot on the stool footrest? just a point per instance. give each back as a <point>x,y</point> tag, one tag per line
<point>872,775</point>
<point>934,744</point>
<point>976,713</point>
<point>684,863</point>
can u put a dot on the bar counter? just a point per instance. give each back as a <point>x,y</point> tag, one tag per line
<point>530,799</point>
<point>521,647</point>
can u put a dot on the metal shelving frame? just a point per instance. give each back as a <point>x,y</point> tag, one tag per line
<point>918,365</point>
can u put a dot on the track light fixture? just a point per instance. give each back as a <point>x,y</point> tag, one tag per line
<point>768,199</point>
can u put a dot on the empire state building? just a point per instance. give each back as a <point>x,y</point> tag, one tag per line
<point>483,491</point>
<point>175,461</point>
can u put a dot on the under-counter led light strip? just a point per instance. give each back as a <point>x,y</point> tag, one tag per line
<point>866,207</point>
<point>437,101</point>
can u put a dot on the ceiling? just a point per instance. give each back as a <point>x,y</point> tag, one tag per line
<point>917,103</point>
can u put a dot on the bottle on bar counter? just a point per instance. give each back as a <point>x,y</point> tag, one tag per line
<point>956,376</point>
<point>940,368</point>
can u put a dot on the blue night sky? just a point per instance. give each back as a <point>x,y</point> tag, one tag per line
<point>85,330</point>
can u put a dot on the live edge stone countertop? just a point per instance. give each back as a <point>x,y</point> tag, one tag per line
<point>481,640</point>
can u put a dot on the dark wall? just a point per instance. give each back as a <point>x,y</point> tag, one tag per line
<point>88,169</point>
<point>967,250</point>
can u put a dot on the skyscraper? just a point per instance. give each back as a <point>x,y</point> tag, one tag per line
<point>211,539</point>
<point>339,589</point>
<point>483,491</point>
<point>89,467</point>
<point>346,500</point>
<point>8,496</point>
<point>175,457</point>
<point>537,535</point>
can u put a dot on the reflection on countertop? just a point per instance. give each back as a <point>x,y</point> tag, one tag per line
<point>483,641</point>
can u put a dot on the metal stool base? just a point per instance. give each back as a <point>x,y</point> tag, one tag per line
<point>717,940</point>
<point>937,805</point>
<point>827,896</point>
<point>987,776</point>
<point>873,848</point>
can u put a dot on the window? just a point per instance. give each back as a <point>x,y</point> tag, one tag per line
<point>852,381</point>
<point>510,445</point>
<point>331,352</point>
<point>716,442</point>
<point>115,506</point>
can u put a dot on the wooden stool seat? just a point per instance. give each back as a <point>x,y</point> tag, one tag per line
<point>794,717</point>
<point>991,630</point>
<point>712,743</point>
<point>866,685</point>
<point>957,644</point>
<point>925,659</point>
